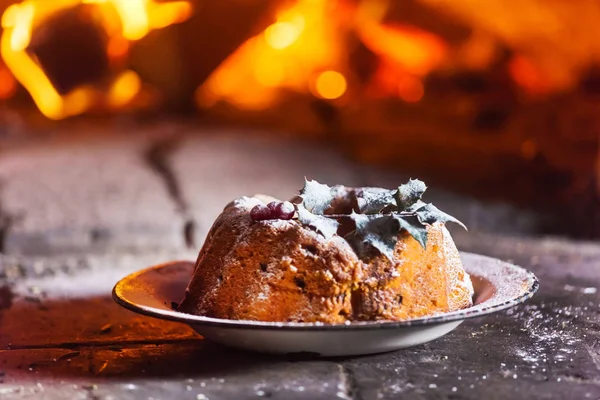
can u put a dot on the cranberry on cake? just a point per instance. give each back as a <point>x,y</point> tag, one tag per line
<point>332,255</point>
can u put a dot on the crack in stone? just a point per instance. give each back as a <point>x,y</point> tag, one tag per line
<point>595,355</point>
<point>97,344</point>
<point>349,389</point>
<point>158,157</point>
<point>580,380</point>
<point>6,221</point>
<point>6,298</point>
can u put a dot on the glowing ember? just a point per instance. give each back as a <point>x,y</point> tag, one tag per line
<point>529,76</point>
<point>139,17</point>
<point>283,34</point>
<point>410,89</point>
<point>329,49</point>
<point>124,89</point>
<point>118,47</point>
<point>123,21</point>
<point>8,85</point>
<point>330,85</point>
<point>415,50</point>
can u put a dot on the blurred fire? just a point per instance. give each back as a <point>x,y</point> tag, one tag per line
<point>312,49</point>
<point>529,76</point>
<point>556,40</point>
<point>406,56</point>
<point>307,51</point>
<point>329,85</point>
<point>292,54</point>
<point>414,50</point>
<point>124,21</point>
<point>8,84</point>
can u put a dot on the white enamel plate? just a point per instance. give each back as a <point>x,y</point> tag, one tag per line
<point>498,285</point>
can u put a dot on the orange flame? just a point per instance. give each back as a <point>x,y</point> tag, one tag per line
<point>306,51</point>
<point>416,51</point>
<point>529,76</point>
<point>287,55</point>
<point>330,85</point>
<point>8,85</point>
<point>124,21</point>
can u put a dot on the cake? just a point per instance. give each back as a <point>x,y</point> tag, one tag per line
<point>331,255</point>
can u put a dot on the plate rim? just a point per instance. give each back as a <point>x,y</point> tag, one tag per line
<point>191,319</point>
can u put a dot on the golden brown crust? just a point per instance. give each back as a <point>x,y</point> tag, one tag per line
<point>282,271</point>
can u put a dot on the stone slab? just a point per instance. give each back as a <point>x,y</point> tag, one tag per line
<point>66,301</point>
<point>193,370</point>
<point>548,348</point>
<point>66,193</point>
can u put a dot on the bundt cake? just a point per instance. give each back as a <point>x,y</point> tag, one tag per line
<point>330,255</point>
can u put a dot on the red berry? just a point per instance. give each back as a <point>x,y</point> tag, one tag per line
<point>261,213</point>
<point>273,205</point>
<point>284,210</point>
<point>274,210</point>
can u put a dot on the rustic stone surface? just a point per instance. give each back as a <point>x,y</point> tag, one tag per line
<point>547,348</point>
<point>61,336</point>
<point>75,303</point>
<point>81,194</point>
<point>193,370</point>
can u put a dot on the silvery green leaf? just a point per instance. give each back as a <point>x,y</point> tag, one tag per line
<point>383,214</point>
<point>413,226</point>
<point>409,193</point>
<point>373,201</point>
<point>430,214</point>
<point>418,204</point>
<point>374,231</point>
<point>316,197</point>
<point>325,226</point>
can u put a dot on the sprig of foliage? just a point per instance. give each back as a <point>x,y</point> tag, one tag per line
<point>380,218</point>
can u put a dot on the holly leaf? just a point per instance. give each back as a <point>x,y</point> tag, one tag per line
<point>380,232</point>
<point>412,225</point>
<point>316,197</point>
<point>418,204</point>
<point>429,214</point>
<point>409,193</point>
<point>382,215</point>
<point>325,226</point>
<point>374,201</point>
<point>373,231</point>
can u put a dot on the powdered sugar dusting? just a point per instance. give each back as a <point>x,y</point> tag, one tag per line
<point>553,332</point>
<point>584,290</point>
<point>457,279</point>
